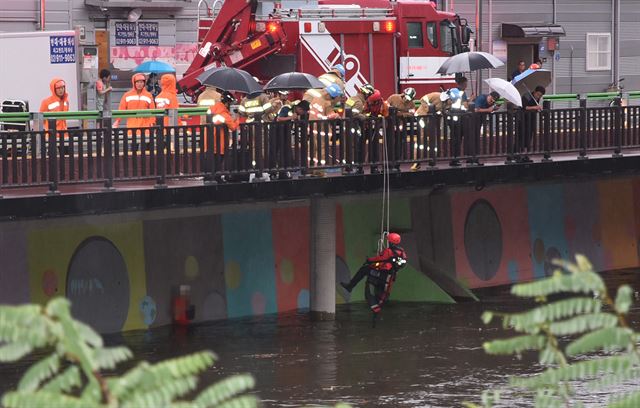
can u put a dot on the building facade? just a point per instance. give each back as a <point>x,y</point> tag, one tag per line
<point>124,33</point>
<point>598,44</point>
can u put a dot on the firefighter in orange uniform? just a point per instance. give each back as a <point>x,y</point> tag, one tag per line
<point>221,115</point>
<point>57,102</point>
<point>168,98</point>
<point>137,98</point>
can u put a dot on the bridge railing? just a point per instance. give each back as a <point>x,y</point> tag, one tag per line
<point>107,154</point>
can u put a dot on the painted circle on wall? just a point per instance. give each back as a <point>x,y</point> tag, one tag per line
<point>483,239</point>
<point>98,285</point>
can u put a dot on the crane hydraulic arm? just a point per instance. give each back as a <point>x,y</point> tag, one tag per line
<point>234,40</point>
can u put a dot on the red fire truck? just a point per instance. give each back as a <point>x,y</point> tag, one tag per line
<point>390,44</point>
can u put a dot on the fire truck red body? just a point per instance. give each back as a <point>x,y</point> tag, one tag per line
<point>390,44</point>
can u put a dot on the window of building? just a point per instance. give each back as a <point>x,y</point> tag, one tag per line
<point>432,32</point>
<point>414,31</point>
<point>598,51</point>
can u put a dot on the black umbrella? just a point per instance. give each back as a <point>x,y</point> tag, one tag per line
<point>292,81</point>
<point>469,61</point>
<point>230,79</point>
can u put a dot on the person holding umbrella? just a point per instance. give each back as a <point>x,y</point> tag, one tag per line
<point>531,105</point>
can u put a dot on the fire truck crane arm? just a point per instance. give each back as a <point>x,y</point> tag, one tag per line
<point>233,41</point>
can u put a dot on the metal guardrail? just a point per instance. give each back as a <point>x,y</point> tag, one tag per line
<point>107,155</point>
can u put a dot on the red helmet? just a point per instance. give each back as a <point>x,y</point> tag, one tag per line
<point>393,238</point>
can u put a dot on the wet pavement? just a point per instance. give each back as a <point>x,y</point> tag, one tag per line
<point>419,355</point>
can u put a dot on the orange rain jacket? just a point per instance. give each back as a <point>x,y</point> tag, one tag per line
<point>221,115</point>
<point>55,104</point>
<point>137,100</point>
<point>168,98</point>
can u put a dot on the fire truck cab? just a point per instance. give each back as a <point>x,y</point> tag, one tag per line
<point>390,44</point>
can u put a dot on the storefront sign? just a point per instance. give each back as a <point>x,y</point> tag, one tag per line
<point>125,33</point>
<point>148,34</point>
<point>62,49</point>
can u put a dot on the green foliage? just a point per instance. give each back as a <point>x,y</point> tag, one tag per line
<point>583,336</point>
<point>70,376</point>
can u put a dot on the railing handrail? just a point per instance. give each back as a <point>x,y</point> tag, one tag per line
<point>29,158</point>
<point>201,111</point>
<point>88,115</point>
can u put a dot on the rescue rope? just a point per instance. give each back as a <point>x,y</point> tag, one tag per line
<point>386,193</point>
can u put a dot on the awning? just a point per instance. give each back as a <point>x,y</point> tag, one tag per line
<point>532,30</point>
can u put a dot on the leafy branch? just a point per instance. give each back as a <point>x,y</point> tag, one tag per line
<point>585,336</point>
<point>71,374</point>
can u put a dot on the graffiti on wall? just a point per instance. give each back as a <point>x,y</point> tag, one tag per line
<point>126,58</point>
<point>124,275</point>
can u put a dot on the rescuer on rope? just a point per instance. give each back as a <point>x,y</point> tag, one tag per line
<point>381,273</point>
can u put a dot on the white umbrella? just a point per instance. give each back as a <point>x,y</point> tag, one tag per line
<point>505,89</point>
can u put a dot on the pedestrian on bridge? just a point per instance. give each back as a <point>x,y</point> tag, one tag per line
<point>531,103</point>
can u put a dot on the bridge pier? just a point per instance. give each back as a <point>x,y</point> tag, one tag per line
<point>322,283</point>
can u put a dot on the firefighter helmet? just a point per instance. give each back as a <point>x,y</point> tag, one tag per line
<point>375,97</point>
<point>339,68</point>
<point>334,90</point>
<point>409,94</point>
<point>393,238</point>
<point>367,90</point>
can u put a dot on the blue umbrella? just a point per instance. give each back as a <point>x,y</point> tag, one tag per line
<point>531,78</point>
<point>157,67</point>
